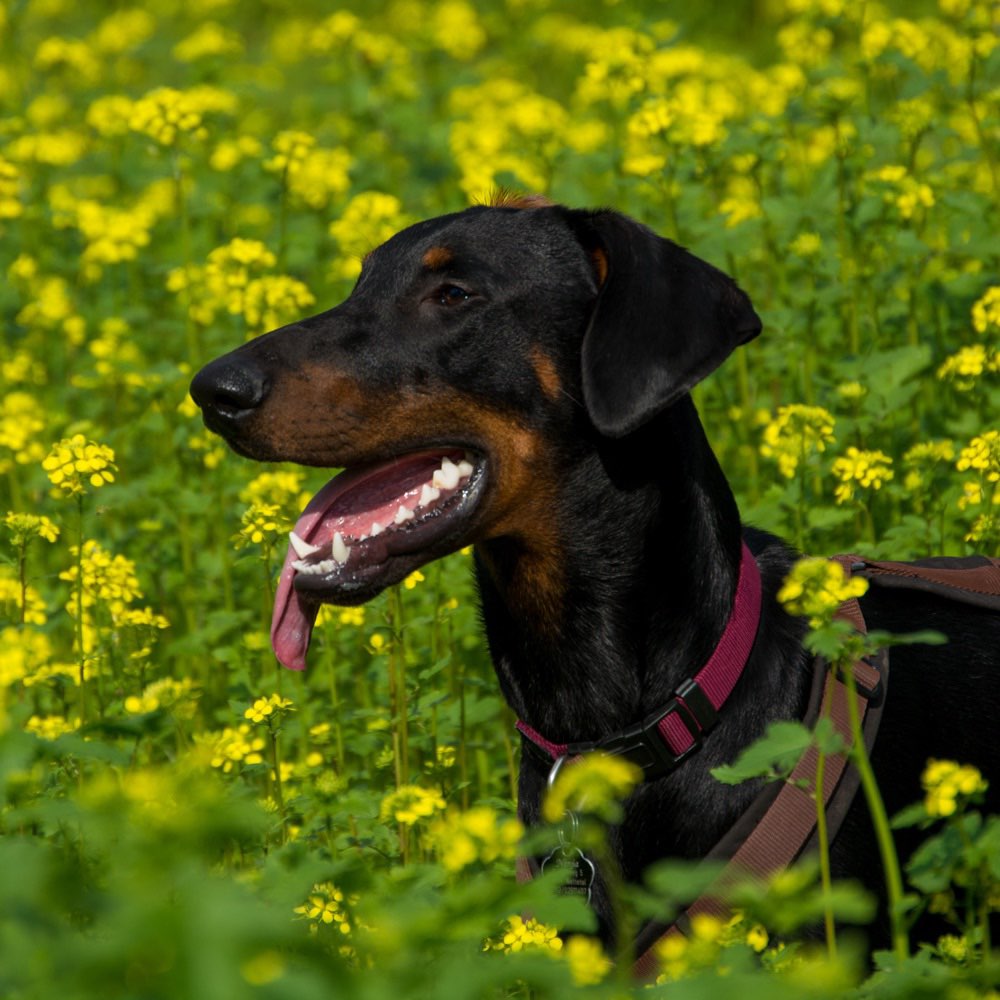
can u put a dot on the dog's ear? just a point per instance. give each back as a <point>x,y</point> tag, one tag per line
<point>663,320</point>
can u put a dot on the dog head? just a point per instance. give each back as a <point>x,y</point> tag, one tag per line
<point>471,346</point>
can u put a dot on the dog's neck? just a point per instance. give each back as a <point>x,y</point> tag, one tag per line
<point>628,590</point>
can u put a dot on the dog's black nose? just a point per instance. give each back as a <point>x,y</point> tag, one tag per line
<point>229,388</point>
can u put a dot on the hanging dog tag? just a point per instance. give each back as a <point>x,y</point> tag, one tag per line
<point>581,870</point>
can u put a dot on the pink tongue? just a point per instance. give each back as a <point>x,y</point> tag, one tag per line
<point>293,618</point>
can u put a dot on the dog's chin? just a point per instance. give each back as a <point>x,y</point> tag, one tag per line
<point>369,528</point>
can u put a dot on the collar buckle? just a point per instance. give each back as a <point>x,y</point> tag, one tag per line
<point>645,743</point>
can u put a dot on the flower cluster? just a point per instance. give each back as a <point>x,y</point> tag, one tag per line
<point>166,114</point>
<point>968,364</point>
<point>24,527</point>
<point>74,462</point>
<point>369,219</point>
<point>263,524</point>
<point>478,834</point>
<point>26,602</point>
<point>268,709</point>
<point>232,747</point>
<point>986,311</point>
<point>21,422</point>
<point>865,469</point>
<point>234,280</point>
<point>595,785</point>
<point>410,803</point>
<point>327,905</point>
<point>796,431</point>
<point>10,197</point>
<point>108,579</point>
<point>680,955</point>
<point>816,587</point>
<point>946,783</point>
<point>521,935</point>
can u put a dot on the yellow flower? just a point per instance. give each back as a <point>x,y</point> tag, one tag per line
<point>263,523</point>
<point>264,708</point>
<point>982,454</point>
<point>207,40</point>
<point>166,114</point>
<point>110,114</point>
<point>945,782</point>
<point>816,587</point>
<point>24,604</point>
<point>806,244</point>
<point>966,365</point>
<point>274,300</point>
<point>23,527</point>
<point>231,747</point>
<point>369,219</point>
<point>413,579</point>
<point>521,934</point>
<point>21,420</point>
<point>867,469</point>
<point>796,431</point>
<point>410,803</point>
<point>50,727</point>
<point>74,462</point>
<point>352,616</point>
<point>986,310</point>
<point>478,834</point>
<point>588,964</point>
<point>594,785</point>
<point>326,905</point>
<point>10,190</point>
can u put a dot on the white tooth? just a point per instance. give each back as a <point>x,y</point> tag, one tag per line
<point>340,550</point>
<point>301,565</point>
<point>448,473</point>
<point>403,514</point>
<point>377,529</point>
<point>326,566</point>
<point>438,479</point>
<point>464,469</point>
<point>302,548</point>
<point>428,495</point>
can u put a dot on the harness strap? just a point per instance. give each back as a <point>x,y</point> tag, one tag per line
<point>787,828</point>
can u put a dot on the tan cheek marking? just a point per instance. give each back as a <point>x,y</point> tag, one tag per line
<point>326,418</point>
<point>437,257</point>
<point>546,373</point>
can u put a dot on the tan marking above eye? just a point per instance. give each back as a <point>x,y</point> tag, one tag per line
<point>546,373</point>
<point>437,257</point>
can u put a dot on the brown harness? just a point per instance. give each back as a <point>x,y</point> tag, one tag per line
<point>780,825</point>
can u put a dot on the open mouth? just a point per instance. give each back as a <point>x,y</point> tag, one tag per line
<point>368,528</point>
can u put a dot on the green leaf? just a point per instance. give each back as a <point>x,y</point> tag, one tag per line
<point>775,754</point>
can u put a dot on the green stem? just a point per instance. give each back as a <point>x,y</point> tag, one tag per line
<point>883,833</point>
<point>276,764</point>
<point>397,688</point>
<point>22,553</point>
<point>81,657</point>
<point>184,219</point>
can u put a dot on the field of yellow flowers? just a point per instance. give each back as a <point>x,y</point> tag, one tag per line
<point>179,817</point>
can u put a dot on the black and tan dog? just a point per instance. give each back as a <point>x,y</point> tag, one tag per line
<point>517,376</point>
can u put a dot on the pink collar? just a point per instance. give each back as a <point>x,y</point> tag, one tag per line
<point>670,734</point>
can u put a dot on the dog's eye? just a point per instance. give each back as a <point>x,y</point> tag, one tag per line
<point>451,295</point>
